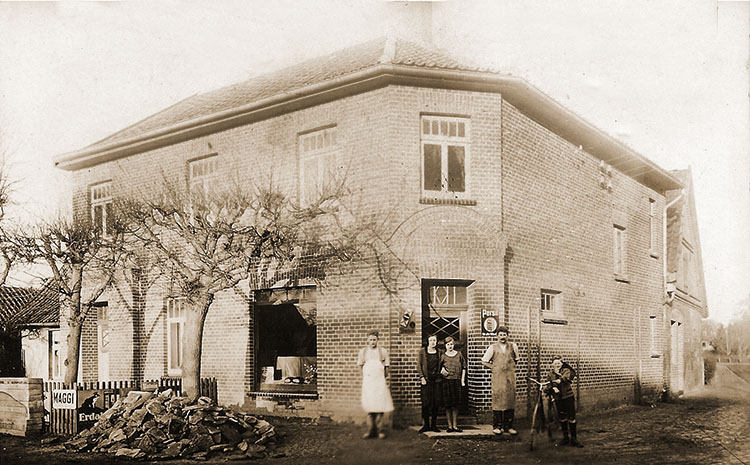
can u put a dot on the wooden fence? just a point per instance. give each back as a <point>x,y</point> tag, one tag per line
<point>102,395</point>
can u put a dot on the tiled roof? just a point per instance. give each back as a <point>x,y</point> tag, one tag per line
<point>13,299</point>
<point>25,306</point>
<point>318,70</point>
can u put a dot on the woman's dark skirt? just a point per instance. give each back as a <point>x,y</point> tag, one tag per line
<point>451,393</point>
<point>432,398</point>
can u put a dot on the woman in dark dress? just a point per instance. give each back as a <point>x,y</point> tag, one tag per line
<point>429,372</point>
<point>453,371</point>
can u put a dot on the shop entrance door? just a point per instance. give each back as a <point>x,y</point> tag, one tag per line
<point>444,313</point>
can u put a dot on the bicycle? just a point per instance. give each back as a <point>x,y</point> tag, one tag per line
<point>551,412</point>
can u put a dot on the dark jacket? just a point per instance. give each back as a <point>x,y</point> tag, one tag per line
<point>564,386</point>
<point>422,362</point>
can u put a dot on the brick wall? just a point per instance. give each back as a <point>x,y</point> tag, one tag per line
<point>559,222</point>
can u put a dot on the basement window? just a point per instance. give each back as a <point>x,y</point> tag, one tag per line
<point>286,346</point>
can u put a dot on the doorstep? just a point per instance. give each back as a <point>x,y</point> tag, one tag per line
<point>469,431</point>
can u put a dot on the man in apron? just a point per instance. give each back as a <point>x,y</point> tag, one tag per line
<point>501,357</point>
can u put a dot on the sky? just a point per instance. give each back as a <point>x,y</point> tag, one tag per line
<point>668,78</point>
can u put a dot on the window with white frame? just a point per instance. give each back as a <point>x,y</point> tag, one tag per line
<point>318,163</point>
<point>619,250</point>
<point>652,332</point>
<point>551,303</point>
<point>175,331</point>
<point>101,207</point>
<point>653,226</point>
<point>202,175</point>
<point>445,156</point>
<point>56,356</point>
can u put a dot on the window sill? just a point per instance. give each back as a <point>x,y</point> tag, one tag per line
<point>282,395</point>
<point>554,321</point>
<point>622,279</point>
<point>653,254</point>
<point>446,201</point>
<point>655,355</point>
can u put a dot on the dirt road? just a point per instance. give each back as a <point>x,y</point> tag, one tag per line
<point>704,428</point>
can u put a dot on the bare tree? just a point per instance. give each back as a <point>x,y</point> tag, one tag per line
<point>5,191</point>
<point>207,242</point>
<point>82,261</point>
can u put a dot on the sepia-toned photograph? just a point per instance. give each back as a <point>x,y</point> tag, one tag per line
<point>375,232</point>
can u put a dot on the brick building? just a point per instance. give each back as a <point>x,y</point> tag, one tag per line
<point>686,290</point>
<point>504,203</point>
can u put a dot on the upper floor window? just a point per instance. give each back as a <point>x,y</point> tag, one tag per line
<point>318,153</point>
<point>101,207</point>
<point>203,174</point>
<point>175,331</point>
<point>619,251</point>
<point>445,156</point>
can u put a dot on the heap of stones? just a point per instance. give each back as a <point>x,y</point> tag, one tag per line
<point>163,426</point>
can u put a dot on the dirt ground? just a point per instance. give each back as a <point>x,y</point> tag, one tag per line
<point>704,428</point>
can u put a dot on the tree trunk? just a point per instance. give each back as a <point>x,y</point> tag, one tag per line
<point>195,317</point>
<point>138,340</point>
<point>74,344</point>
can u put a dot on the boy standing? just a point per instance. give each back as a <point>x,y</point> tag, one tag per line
<point>561,380</point>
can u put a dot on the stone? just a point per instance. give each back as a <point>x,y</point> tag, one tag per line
<point>195,417</point>
<point>146,444</point>
<point>132,453</point>
<point>262,426</point>
<point>137,416</point>
<point>77,444</point>
<point>221,447</point>
<point>243,445</point>
<point>200,455</point>
<point>117,435</point>
<point>148,424</point>
<point>267,436</point>
<point>161,426</point>
<point>198,443</point>
<point>230,432</point>
<point>155,407</point>
<point>172,450</point>
<point>157,434</point>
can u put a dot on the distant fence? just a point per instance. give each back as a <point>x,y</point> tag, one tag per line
<point>70,408</point>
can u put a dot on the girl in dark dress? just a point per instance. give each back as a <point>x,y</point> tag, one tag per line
<point>429,372</point>
<point>453,371</point>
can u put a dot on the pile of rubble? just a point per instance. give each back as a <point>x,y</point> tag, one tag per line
<point>162,426</point>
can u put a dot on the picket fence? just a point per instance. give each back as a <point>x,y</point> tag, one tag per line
<point>64,422</point>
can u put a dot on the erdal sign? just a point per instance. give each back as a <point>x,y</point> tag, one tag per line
<point>64,399</point>
<point>490,322</point>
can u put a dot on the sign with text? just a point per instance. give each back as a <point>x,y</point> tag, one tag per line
<point>490,322</point>
<point>64,399</point>
<point>91,404</point>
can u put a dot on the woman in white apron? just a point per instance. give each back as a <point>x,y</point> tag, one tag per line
<point>376,398</point>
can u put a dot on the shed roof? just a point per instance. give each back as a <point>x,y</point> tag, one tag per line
<point>21,307</point>
<point>355,69</point>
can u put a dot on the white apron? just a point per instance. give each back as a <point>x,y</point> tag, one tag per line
<point>375,394</point>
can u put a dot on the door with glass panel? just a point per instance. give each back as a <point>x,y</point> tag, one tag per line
<point>444,307</point>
